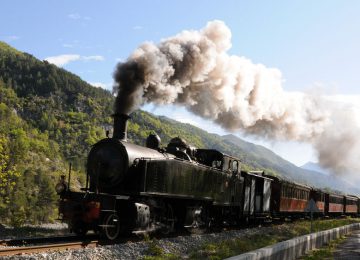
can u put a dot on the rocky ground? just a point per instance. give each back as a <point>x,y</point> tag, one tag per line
<point>180,246</point>
<point>50,229</point>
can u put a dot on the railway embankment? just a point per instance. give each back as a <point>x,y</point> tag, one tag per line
<point>298,246</point>
<point>201,246</point>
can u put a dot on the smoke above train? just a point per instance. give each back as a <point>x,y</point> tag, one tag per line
<point>194,69</point>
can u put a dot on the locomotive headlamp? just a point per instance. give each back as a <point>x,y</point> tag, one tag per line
<point>61,186</point>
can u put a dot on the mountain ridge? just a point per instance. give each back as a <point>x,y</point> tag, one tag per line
<point>315,167</point>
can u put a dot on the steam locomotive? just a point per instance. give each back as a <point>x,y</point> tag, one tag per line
<point>131,188</point>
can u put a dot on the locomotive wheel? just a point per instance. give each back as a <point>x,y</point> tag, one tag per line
<point>168,220</point>
<point>112,226</point>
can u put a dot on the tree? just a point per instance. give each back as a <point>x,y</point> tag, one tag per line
<point>8,177</point>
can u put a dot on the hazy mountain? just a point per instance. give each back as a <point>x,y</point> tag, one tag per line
<point>269,159</point>
<point>311,166</point>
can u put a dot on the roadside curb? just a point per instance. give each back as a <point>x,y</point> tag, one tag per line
<point>298,246</point>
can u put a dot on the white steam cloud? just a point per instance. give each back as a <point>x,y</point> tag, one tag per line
<point>193,69</point>
<point>62,60</point>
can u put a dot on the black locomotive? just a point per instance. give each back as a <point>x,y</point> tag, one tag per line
<point>131,188</point>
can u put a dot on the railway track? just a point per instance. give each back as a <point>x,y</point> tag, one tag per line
<point>57,243</point>
<point>48,244</point>
<point>8,251</point>
<point>26,241</point>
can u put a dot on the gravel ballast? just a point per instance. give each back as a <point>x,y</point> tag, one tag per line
<point>181,246</point>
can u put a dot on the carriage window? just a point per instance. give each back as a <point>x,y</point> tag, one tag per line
<point>351,202</point>
<point>336,200</point>
<point>235,166</point>
<point>216,164</point>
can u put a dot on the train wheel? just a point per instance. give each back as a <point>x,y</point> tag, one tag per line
<point>168,220</point>
<point>112,226</point>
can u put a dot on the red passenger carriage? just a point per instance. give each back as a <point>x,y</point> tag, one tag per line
<point>351,205</point>
<point>334,204</point>
<point>288,199</point>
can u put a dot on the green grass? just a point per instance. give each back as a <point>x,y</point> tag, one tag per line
<point>275,234</point>
<point>323,253</point>
<point>155,252</point>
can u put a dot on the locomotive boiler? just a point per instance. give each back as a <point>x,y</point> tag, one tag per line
<point>131,188</point>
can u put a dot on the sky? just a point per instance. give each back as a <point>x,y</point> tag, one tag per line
<point>315,44</point>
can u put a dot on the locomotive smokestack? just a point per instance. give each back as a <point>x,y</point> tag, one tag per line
<point>120,126</point>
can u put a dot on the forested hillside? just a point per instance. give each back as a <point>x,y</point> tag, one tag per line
<point>50,117</point>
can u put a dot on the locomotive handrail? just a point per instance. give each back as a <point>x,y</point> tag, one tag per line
<point>182,160</point>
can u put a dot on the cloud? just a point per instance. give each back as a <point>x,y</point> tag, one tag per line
<point>101,85</point>
<point>76,16</point>
<point>68,45</point>
<point>346,99</point>
<point>95,58</point>
<point>183,118</point>
<point>10,38</point>
<point>138,27</point>
<point>64,59</point>
<point>72,44</point>
<point>349,103</point>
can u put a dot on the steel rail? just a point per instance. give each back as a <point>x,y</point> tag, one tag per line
<point>7,251</point>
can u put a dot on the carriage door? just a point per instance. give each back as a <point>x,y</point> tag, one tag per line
<point>252,196</point>
<point>259,190</point>
<point>267,195</point>
<point>249,195</point>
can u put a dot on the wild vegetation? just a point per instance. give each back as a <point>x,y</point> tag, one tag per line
<point>231,247</point>
<point>49,117</point>
<point>277,234</point>
<point>324,253</point>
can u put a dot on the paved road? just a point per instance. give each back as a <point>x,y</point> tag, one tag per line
<point>350,248</point>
